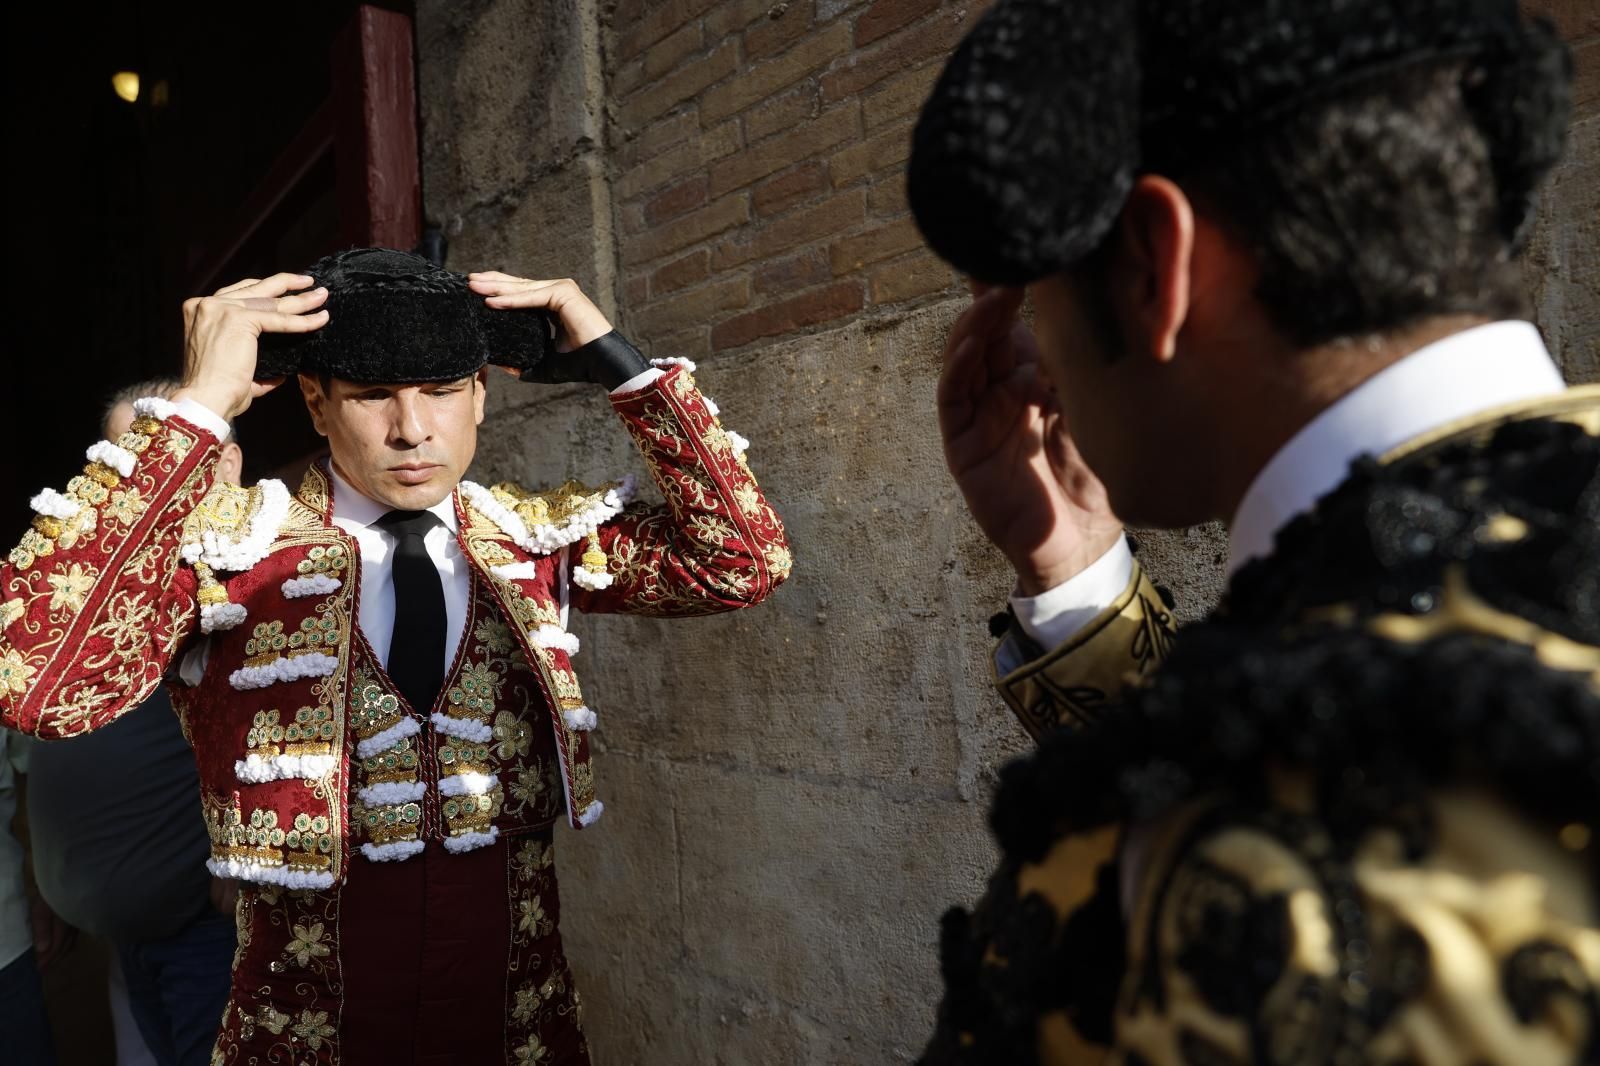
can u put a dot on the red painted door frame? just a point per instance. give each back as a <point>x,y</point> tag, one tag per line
<point>369,126</point>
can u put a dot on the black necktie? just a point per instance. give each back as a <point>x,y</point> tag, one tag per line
<point>416,649</point>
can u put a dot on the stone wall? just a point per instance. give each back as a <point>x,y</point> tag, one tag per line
<point>795,793</point>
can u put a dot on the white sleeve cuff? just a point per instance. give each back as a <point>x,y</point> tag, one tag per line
<point>199,414</point>
<point>1055,616</point>
<point>638,381</point>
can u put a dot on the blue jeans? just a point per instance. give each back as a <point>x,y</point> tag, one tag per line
<point>178,987</point>
<point>23,1025</point>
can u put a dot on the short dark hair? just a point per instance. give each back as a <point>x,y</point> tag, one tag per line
<point>1369,210</point>
<point>161,388</point>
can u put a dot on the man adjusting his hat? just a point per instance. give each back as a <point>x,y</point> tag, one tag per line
<point>1352,817</point>
<point>375,670</point>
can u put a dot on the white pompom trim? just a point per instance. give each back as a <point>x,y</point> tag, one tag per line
<point>262,874</point>
<point>588,579</point>
<point>740,444</point>
<point>546,538</point>
<point>465,728</point>
<point>392,852</point>
<point>250,549</point>
<point>52,504</point>
<point>512,571</point>
<point>687,364</point>
<point>471,841</point>
<point>469,783</point>
<point>107,454</point>
<point>591,814</point>
<point>255,770</point>
<point>386,793</point>
<point>405,727</point>
<point>581,719</point>
<point>556,638</point>
<point>310,585</point>
<point>711,405</point>
<point>154,407</point>
<point>221,616</point>
<point>313,664</point>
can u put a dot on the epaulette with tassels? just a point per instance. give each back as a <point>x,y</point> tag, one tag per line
<point>547,521</point>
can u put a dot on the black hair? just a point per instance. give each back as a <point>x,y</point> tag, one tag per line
<point>1370,210</point>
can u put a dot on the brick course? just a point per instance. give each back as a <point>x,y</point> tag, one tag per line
<point>758,154</point>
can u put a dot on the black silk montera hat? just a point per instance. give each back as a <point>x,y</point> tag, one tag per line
<point>1050,109</point>
<point>394,317</point>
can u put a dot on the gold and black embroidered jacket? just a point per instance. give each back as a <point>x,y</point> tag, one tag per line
<point>1350,819</point>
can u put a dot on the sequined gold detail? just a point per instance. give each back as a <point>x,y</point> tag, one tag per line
<point>311,733</point>
<point>392,822</point>
<point>269,642</point>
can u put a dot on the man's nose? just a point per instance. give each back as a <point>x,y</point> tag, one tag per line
<point>410,419</point>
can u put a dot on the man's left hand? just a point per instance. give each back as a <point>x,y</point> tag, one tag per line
<point>580,320</point>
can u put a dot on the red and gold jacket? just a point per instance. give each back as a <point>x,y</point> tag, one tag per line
<point>247,599</point>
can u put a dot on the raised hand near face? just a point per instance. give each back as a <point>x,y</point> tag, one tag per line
<point>1011,452</point>
<point>220,334</point>
<point>588,349</point>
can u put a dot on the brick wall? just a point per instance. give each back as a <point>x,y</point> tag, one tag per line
<point>758,154</point>
<point>793,793</point>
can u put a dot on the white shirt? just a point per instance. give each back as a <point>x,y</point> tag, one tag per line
<point>1463,375</point>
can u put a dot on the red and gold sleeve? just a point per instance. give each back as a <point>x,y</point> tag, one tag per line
<point>94,603</point>
<point>715,545</point>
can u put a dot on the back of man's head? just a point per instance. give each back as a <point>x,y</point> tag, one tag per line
<point>1374,209</point>
<point>117,419</point>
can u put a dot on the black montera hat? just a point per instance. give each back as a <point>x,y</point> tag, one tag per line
<point>1048,111</point>
<point>395,317</point>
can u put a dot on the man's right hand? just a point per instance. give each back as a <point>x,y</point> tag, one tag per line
<point>1007,444</point>
<point>220,334</point>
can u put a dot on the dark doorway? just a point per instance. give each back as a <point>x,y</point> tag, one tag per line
<point>257,140</point>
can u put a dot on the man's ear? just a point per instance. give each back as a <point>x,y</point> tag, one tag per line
<point>230,464</point>
<point>316,401</point>
<point>480,393</point>
<point>1155,243</point>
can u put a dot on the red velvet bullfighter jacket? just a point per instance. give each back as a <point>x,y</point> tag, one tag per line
<point>246,599</point>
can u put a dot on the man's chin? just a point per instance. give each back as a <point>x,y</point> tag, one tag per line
<point>418,496</point>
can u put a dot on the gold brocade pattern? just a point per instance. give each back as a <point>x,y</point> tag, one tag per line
<point>93,610</point>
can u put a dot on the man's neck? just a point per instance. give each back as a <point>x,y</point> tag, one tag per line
<point>1295,387</point>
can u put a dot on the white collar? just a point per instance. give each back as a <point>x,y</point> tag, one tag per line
<point>354,510</point>
<point>1465,374</point>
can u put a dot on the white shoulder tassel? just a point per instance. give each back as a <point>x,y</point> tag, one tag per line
<point>468,784</point>
<point>471,841</point>
<point>580,719</point>
<point>154,407</point>
<point>393,852</point>
<point>314,664</point>
<point>110,455</point>
<point>386,793</point>
<point>255,544</point>
<point>310,585</point>
<point>556,639</point>
<point>587,579</point>
<point>254,770</point>
<point>53,504</point>
<point>405,727</point>
<point>221,616</point>
<point>465,728</point>
<point>261,874</point>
